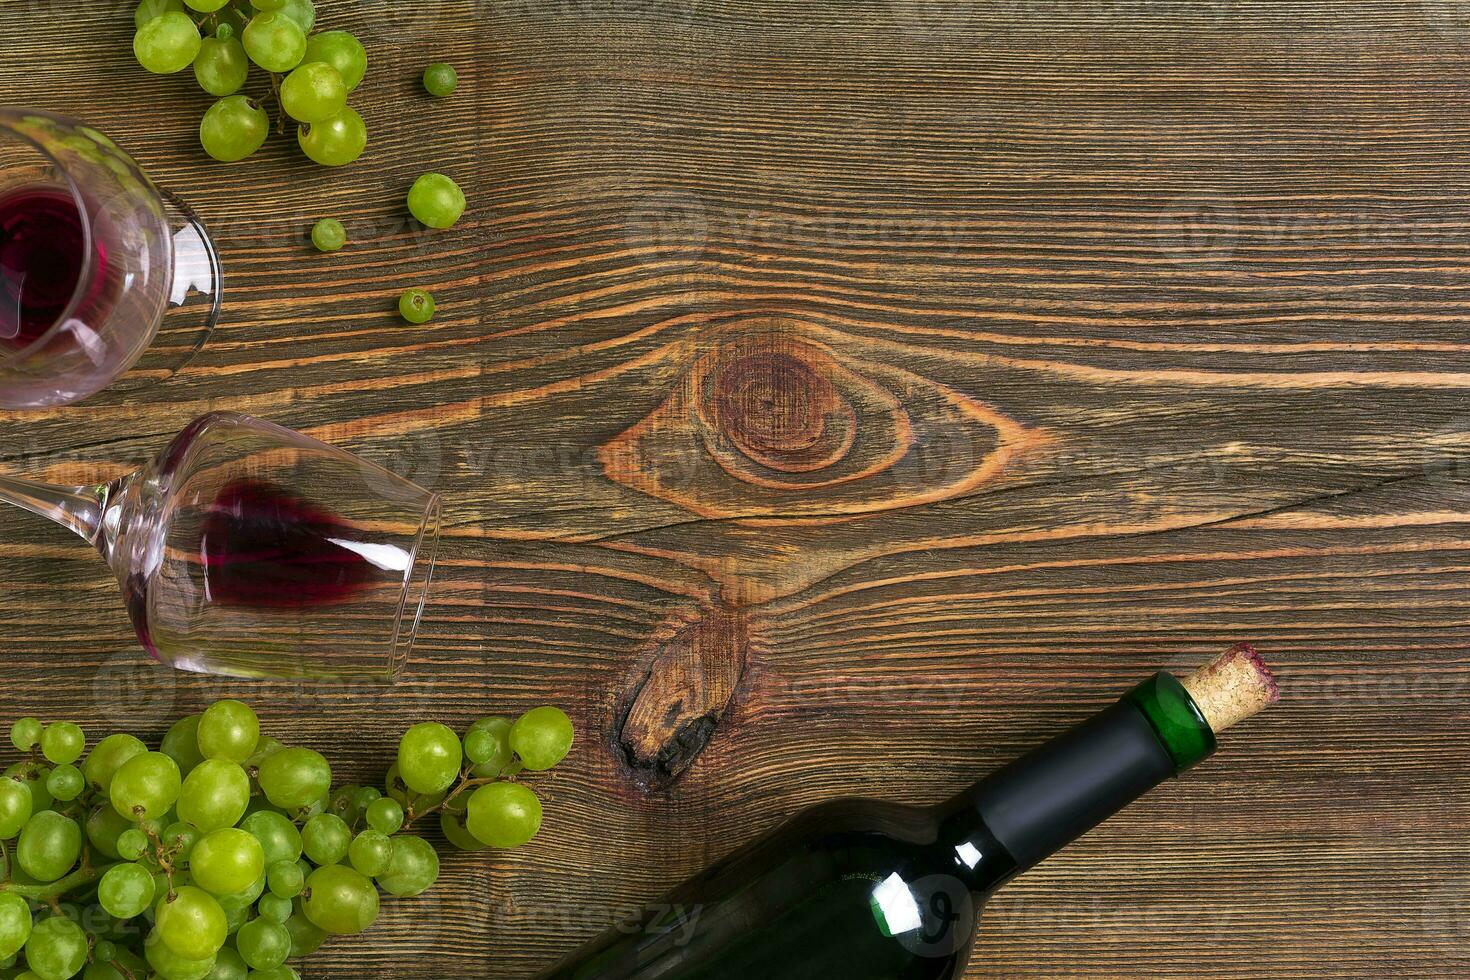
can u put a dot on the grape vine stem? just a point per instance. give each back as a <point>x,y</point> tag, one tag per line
<point>52,893</point>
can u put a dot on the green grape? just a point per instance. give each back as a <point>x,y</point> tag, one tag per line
<point>221,68</point>
<point>365,797</point>
<point>181,743</point>
<point>440,80</point>
<point>343,52</point>
<point>227,861</point>
<point>228,965</point>
<point>274,41</point>
<point>275,908</point>
<point>341,901</point>
<point>494,764</point>
<point>149,9</point>
<point>542,737</point>
<point>436,201</point>
<point>285,879</point>
<point>504,814</point>
<point>385,815</point>
<point>326,838</point>
<point>205,6</point>
<point>282,972</point>
<point>429,754</point>
<point>167,44</point>
<point>65,783</point>
<point>25,734</point>
<point>63,742</point>
<point>228,730</point>
<point>15,807</point>
<point>267,746</point>
<point>226,31</point>
<point>49,846</point>
<point>306,936</point>
<point>181,838</point>
<point>148,784</point>
<point>125,890</point>
<point>336,142</point>
<point>453,828</point>
<point>233,128</point>
<point>295,778</point>
<point>370,853</point>
<point>169,965</point>
<point>278,836</point>
<point>413,868</point>
<point>479,746</point>
<point>416,306</point>
<point>131,844</point>
<point>56,949</point>
<point>108,756</point>
<point>313,93</point>
<point>263,944</point>
<point>214,795</point>
<point>34,777</point>
<point>238,905</point>
<point>190,923</point>
<point>303,12</point>
<point>103,828</point>
<point>15,923</point>
<point>328,235</point>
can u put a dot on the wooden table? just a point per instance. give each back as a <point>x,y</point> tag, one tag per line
<point>841,397</point>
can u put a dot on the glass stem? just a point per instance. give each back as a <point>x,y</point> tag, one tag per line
<point>79,509</point>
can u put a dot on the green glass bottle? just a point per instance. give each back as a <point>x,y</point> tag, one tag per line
<point>866,890</point>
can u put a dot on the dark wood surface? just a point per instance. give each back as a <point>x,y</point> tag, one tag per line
<point>839,398</point>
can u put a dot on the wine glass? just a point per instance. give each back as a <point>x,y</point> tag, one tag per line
<point>94,262</point>
<point>250,550</point>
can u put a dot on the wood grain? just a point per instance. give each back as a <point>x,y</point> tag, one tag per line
<point>841,397</point>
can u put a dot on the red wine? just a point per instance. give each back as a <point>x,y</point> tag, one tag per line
<point>43,247</point>
<point>262,545</point>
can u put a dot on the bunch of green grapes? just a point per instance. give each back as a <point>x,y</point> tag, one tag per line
<point>310,74</point>
<point>226,854</point>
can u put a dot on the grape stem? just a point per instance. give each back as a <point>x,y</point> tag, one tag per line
<point>465,783</point>
<point>51,894</point>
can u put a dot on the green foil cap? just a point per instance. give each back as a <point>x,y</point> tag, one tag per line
<point>1176,719</point>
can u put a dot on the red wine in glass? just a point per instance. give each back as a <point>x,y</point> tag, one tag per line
<point>43,249</point>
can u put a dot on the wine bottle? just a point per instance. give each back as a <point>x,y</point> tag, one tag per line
<point>866,890</point>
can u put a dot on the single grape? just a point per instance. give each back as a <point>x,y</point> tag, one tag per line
<point>233,128</point>
<point>413,868</point>
<point>416,306</point>
<point>303,12</point>
<point>65,783</point>
<point>341,901</point>
<point>56,949</point>
<point>228,965</point>
<point>542,737</point>
<point>214,795</point>
<point>228,730</point>
<point>226,31</point>
<point>494,764</point>
<point>63,742</point>
<point>103,827</point>
<point>454,830</point>
<point>180,838</point>
<point>15,807</point>
<point>326,838</point>
<point>440,80</point>
<point>167,44</point>
<point>146,784</point>
<point>181,743</point>
<point>15,923</point>
<point>282,972</point>
<point>149,9</point>
<point>479,746</point>
<point>371,853</point>
<point>263,944</point>
<point>504,814</point>
<point>436,201</point>
<point>328,235</point>
<point>205,6</point>
<point>274,41</point>
<point>48,846</point>
<point>226,861</point>
<point>125,890</point>
<point>108,756</point>
<point>221,68</point>
<point>365,797</point>
<point>275,907</point>
<point>285,879</point>
<point>313,93</point>
<point>429,754</point>
<point>131,844</point>
<point>34,776</point>
<point>191,923</point>
<point>306,936</point>
<point>336,142</point>
<point>385,815</point>
<point>343,52</point>
<point>25,734</point>
<point>169,965</point>
<point>295,778</point>
<point>278,836</point>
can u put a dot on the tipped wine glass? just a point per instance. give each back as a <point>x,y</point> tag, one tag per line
<point>100,271</point>
<point>250,550</point>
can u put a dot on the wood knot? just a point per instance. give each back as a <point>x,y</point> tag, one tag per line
<point>780,408</point>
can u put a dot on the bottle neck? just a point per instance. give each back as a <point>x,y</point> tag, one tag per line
<point>1048,798</point>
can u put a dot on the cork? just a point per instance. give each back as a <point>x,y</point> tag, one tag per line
<point>1233,687</point>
